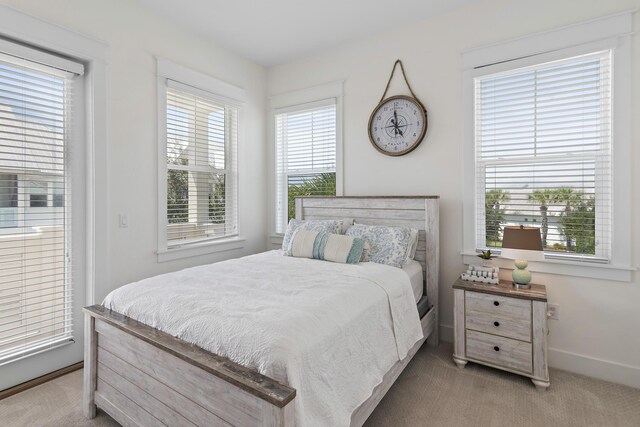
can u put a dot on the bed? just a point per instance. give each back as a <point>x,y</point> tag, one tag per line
<point>141,375</point>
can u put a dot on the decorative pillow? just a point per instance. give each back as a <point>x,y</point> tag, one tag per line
<point>414,244</point>
<point>326,246</point>
<point>345,223</point>
<point>334,226</point>
<point>386,245</point>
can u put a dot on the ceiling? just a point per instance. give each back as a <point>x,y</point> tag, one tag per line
<point>272,32</point>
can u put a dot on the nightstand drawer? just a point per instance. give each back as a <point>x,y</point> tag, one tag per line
<point>500,351</point>
<point>499,324</point>
<point>479,304</point>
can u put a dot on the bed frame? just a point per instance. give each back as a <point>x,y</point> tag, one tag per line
<point>144,377</point>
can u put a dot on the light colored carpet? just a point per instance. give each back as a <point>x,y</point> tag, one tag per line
<point>431,391</point>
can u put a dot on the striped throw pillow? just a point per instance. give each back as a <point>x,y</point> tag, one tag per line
<point>326,246</point>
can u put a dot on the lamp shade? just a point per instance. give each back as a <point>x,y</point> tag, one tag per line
<point>522,243</point>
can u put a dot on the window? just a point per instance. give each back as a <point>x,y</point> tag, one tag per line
<point>543,154</point>
<point>58,194</point>
<point>201,176</point>
<point>8,200</point>
<point>305,138</point>
<point>8,190</point>
<point>38,194</point>
<point>36,287</point>
<point>547,142</point>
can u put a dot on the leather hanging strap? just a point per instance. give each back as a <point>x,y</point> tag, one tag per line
<point>405,80</point>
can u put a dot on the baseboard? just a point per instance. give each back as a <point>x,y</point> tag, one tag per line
<point>593,367</point>
<point>40,380</point>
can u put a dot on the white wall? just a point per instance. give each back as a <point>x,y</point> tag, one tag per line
<point>597,333</point>
<point>134,35</point>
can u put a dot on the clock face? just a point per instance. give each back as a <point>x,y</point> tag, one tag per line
<point>397,125</point>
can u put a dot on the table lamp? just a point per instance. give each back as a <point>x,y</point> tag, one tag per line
<point>522,244</point>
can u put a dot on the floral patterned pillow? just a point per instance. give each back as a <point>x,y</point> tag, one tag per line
<point>386,245</point>
<point>331,226</point>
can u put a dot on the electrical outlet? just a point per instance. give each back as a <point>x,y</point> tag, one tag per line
<point>553,311</point>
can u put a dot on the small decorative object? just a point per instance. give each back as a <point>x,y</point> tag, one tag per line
<point>398,123</point>
<point>522,244</point>
<point>486,256</point>
<point>489,275</point>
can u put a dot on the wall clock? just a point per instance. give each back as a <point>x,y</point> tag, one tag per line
<point>398,123</point>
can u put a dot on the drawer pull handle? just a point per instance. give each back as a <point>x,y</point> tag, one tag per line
<point>496,348</point>
<point>496,303</point>
<point>496,324</point>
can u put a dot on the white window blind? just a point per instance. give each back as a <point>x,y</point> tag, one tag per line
<point>36,287</point>
<point>202,134</point>
<point>305,156</point>
<point>543,154</point>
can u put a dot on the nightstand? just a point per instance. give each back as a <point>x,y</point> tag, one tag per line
<point>502,327</point>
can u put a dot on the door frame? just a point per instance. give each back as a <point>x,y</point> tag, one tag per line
<point>93,243</point>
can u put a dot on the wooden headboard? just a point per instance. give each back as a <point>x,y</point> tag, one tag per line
<point>420,212</point>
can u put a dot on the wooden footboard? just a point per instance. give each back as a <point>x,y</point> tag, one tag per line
<point>142,376</point>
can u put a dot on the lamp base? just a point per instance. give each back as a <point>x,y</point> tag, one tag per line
<point>521,286</point>
<point>521,276</point>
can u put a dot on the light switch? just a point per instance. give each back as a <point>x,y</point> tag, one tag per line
<point>123,220</point>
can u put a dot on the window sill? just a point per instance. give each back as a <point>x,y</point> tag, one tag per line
<point>275,240</point>
<point>198,249</point>
<point>44,347</point>
<point>593,270</point>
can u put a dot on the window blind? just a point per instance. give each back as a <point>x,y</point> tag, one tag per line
<point>305,156</point>
<point>201,143</point>
<point>36,287</point>
<point>543,154</point>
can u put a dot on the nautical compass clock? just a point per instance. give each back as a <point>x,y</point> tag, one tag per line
<point>398,124</point>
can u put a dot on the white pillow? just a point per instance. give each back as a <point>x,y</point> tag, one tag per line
<point>386,245</point>
<point>332,226</point>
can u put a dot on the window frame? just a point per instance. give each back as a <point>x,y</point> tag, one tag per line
<point>608,33</point>
<point>34,195</point>
<point>329,102</point>
<point>199,84</point>
<point>482,163</point>
<point>310,97</point>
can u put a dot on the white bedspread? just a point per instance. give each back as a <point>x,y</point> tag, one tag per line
<point>331,331</point>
